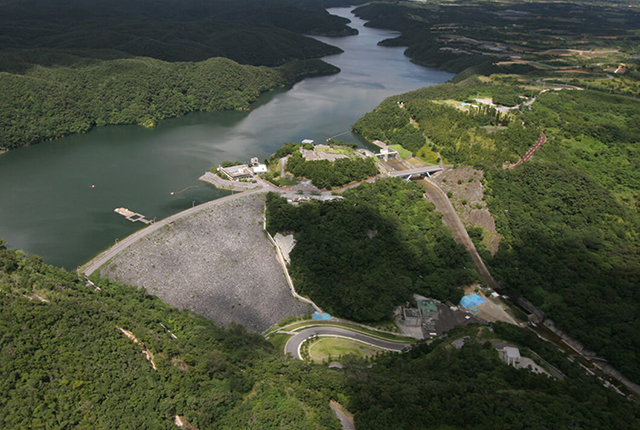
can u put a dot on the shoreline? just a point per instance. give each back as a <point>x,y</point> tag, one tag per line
<point>223,184</point>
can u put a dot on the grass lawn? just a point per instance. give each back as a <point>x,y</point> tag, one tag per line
<point>428,155</point>
<point>404,153</point>
<point>337,150</point>
<point>279,340</point>
<point>324,347</point>
<point>287,181</point>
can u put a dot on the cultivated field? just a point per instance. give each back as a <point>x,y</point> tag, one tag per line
<point>217,263</point>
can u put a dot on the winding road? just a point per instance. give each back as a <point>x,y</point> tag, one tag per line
<point>295,342</point>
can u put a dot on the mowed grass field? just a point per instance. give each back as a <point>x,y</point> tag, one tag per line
<point>325,347</point>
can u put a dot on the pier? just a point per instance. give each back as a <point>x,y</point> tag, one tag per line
<point>339,134</point>
<point>132,216</point>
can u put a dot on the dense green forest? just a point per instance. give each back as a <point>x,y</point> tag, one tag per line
<point>302,16</point>
<point>362,256</point>
<point>440,387</point>
<point>569,217</point>
<point>160,39</point>
<point>448,120</point>
<point>51,102</point>
<point>66,67</point>
<point>573,250</point>
<point>64,363</point>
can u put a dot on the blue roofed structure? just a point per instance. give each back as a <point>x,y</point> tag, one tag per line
<point>321,316</point>
<point>471,300</point>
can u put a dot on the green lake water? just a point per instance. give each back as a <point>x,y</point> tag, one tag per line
<point>49,206</point>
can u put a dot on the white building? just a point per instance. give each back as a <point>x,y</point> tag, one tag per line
<point>510,355</point>
<point>259,168</point>
<point>236,173</point>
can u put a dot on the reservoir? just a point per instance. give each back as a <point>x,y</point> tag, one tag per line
<point>58,197</point>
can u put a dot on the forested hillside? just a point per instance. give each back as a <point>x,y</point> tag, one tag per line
<point>50,102</point>
<point>66,363</point>
<point>303,16</point>
<point>569,216</point>
<point>74,357</point>
<point>446,119</point>
<point>361,257</point>
<point>66,67</point>
<point>438,386</point>
<point>24,45</point>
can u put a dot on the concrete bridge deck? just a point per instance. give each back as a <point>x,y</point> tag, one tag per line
<point>425,170</point>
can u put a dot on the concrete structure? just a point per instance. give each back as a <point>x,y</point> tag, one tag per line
<point>313,155</point>
<point>308,141</point>
<point>421,171</point>
<point>412,317</point>
<point>226,184</point>
<point>236,173</point>
<point>510,355</point>
<point>385,151</point>
<point>428,307</point>
<point>257,167</point>
<point>132,216</point>
<point>260,168</point>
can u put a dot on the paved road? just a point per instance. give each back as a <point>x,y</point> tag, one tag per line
<point>101,259</point>
<point>450,217</point>
<point>344,420</point>
<point>293,344</point>
<point>415,171</point>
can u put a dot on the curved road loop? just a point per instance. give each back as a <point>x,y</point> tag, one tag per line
<point>295,342</point>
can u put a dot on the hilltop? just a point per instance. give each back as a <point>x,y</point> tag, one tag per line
<point>66,67</point>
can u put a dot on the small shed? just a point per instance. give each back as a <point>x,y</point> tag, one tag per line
<point>510,355</point>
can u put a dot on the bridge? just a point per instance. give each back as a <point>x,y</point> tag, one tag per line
<point>422,171</point>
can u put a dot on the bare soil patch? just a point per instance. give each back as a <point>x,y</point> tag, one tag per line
<point>466,192</point>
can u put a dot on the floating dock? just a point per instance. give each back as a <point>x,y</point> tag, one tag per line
<point>132,216</point>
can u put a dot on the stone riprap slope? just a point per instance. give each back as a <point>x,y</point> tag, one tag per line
<point>467,196</point>
<point>217,263</point>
